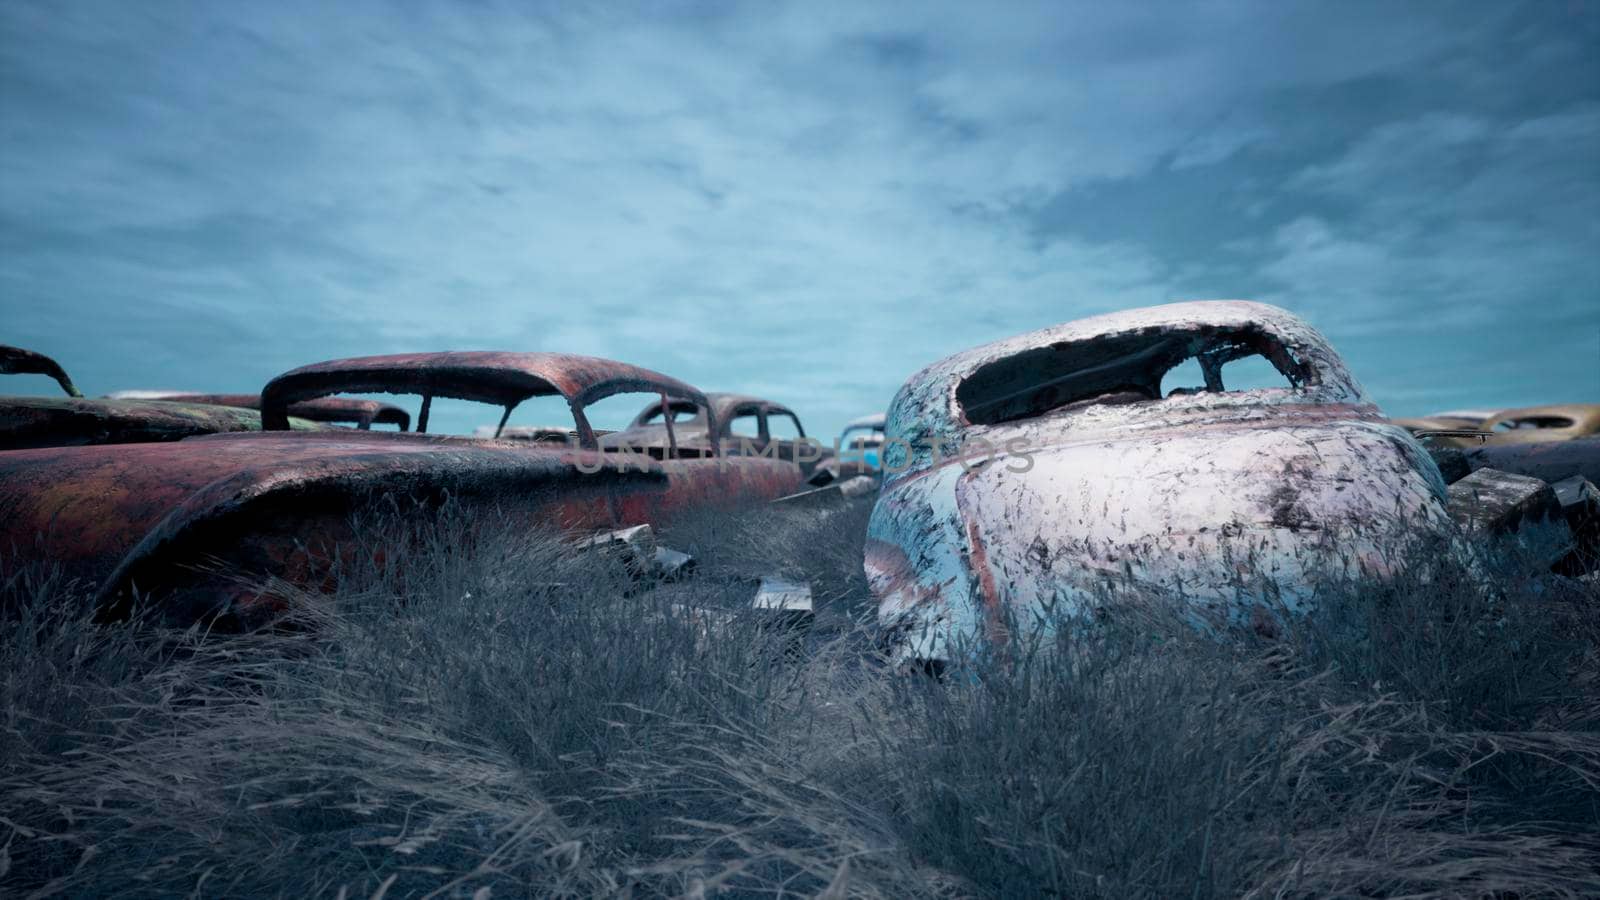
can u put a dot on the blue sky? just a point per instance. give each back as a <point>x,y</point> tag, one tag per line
<point>808,200</point>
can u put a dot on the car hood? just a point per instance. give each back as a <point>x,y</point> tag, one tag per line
<point>1230,520</point>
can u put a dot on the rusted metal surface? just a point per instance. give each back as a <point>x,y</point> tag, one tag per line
<point>1087,483</point>
<point>278,504</point>
<point>690,433</point>
<point>27,422</point>
<point>17,361</point>
<point>188,520</point>
<point>1543,424</point>
<point>363,414</point>
<point>691,430</point>
<point>498,378</point>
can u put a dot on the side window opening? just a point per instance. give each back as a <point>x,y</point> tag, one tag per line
<point>681,412</point>
<point>782,426</point>
<point>745,423</point>
<point>454,416</point>
<point>1534,422</point>
<point>1136,367</point>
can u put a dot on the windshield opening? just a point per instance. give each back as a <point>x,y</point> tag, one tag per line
<point>1135,367</point>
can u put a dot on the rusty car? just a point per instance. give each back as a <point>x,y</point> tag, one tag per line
<point>199,523</point>
<point>739,422</point>
<point>360,414</point>
<point>75,420</point>
<point>1065,470</point>
<point>1543,424</point>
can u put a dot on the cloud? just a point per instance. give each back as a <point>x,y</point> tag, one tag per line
<point>809,201</point>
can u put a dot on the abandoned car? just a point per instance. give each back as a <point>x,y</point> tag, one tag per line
<point>362,414</point>
<point>740,423</point>
<point>856,451</point>
<point>199,522</point>
<point>74,420</point>
<point>1071,469</point>
<point>1541,424</point>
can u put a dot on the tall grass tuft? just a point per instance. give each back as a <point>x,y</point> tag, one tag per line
<point>479,712</point>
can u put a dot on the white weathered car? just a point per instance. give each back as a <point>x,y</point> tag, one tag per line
<point>1065,470</point>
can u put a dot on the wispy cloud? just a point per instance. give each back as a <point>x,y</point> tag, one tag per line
<point>806,200</point>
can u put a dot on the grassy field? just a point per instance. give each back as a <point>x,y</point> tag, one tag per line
<point>497,715</point>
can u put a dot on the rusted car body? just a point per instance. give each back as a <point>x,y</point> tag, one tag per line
<point>1543,424</point>
<point>197,521</point>
<point>737,422</point>
<point>362,414</point>
<point>1441,424</point>
<point>1059,470</point>
<point>73,420</point>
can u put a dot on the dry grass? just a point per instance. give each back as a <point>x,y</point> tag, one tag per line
<point>498,716</point>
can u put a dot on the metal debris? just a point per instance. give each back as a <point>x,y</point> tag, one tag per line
<point>787,608</point>
<point>638,549</point>
<point>839,492</point>
<point>1579,500</point>
<point>1494,504</point>
<point>779,594</point>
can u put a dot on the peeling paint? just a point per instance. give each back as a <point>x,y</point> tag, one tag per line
<point>1094,485</point>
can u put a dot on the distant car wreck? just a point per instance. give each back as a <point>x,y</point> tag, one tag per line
<point>362,414</point>
<point>1543,424</point>
<point>859,446</point>
<point>1065,469</point>
<point>737,422</point>
<point>75,421</point>
<point>198,522</point>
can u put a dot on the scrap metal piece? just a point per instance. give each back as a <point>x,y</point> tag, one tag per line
<point>17,361</point>
<point>1494,504</point>
<point>788,610</point>
<point>1061,473</point>
<point>1580,506</point>
<point>838,492</point>
<point>639,551</point>
<point>1495,501</point>
<point>670,564</point>
<point>1578,498</point>
<point>784,595</point>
